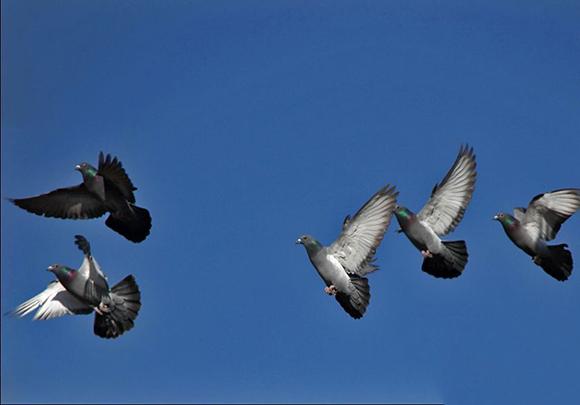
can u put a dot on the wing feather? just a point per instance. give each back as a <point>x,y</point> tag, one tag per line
<point>362,234</point>
<point>68,203</point>
<point>548,211</point>
<point>112,170</point>
<point>449,199</point>
<point>53,302</point>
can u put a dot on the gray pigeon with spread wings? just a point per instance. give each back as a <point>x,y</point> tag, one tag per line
<point>106,189</point>
<point>530,229</point>
<point>86,290</point>
<point>441,215</point>
<point>343,265</point>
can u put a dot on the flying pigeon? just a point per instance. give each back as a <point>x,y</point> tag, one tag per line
<point>343,265</point>
<point>530,229</point>
<point>441,214</point>
<point>106,189</point>
<point>86,290</point>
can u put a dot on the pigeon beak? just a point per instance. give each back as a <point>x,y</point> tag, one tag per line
<point>78,167</point>
<point>50,268</point>
<point>495,217</point>
<point>298,241</point>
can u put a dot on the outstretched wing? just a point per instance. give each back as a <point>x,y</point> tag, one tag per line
<point>548,211</point>
<point>69,203</point>
<point>450,198</point>
<point>362,234</point>
<point>112,170</point>
<point>55,301</point>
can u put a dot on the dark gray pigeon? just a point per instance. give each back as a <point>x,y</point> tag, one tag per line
<point>86,290</point>
<point>106,189</point>
<point>344,264</point>
<point>441,214</point>
<point>530,229</point>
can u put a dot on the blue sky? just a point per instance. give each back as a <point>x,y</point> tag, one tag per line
<point>246,124</point>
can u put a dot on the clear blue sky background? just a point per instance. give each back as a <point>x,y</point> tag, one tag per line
<point>246,124</point>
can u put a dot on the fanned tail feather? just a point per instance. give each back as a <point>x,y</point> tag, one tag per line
<point>449,263</point>
<point>559,264</point>
<point>135,227</point>
<point>356,303</point>
<point>124,303</point>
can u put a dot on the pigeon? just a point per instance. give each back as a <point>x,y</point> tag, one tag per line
<point>441,214</point>
<point>343,265</point>
<point>86,290</point>
<point>530,229</point>
<point>106,189</point>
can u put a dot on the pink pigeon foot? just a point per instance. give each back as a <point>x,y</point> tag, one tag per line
<point>426,254</point>
<point>331,290</point>
<point>102,309</point>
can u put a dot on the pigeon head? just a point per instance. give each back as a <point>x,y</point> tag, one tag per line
<point>505,219</point>
<point>311,244</point>
<point>403,214</point>
<point>61,272</point>
<point>86,169</point>
<point>53,268</point>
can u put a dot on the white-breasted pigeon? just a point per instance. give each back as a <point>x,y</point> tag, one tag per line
<point>441,215</point>
<point>530,229</point>
<point>343,265</point>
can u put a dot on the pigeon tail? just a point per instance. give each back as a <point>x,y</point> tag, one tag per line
<point>357,302</point>
<point>449,263</point>
<point>119,309</point>
<point>133,226</point>
<point>558,264</point>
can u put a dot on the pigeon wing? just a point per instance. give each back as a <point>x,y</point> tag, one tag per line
<point>54,302</point>
<point>519,213</point>
<point>450,198</point>
<point>362,234</point>
<point>548,211</point>
<point>90,269</point>
<point>112,170</point>
<point>68,203</point>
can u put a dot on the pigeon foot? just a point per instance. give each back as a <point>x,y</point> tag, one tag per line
<point>331,290</point>
<point>426,254</point>
<point>103,309</point>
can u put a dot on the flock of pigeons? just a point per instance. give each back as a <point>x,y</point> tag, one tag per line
<point>342,266</point>
<point>86,290</point>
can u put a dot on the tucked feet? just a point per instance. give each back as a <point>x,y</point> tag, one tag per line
<point>426,254</point>
<point>331,290</point>
<point>536,259</point>
<point>103,309</point>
